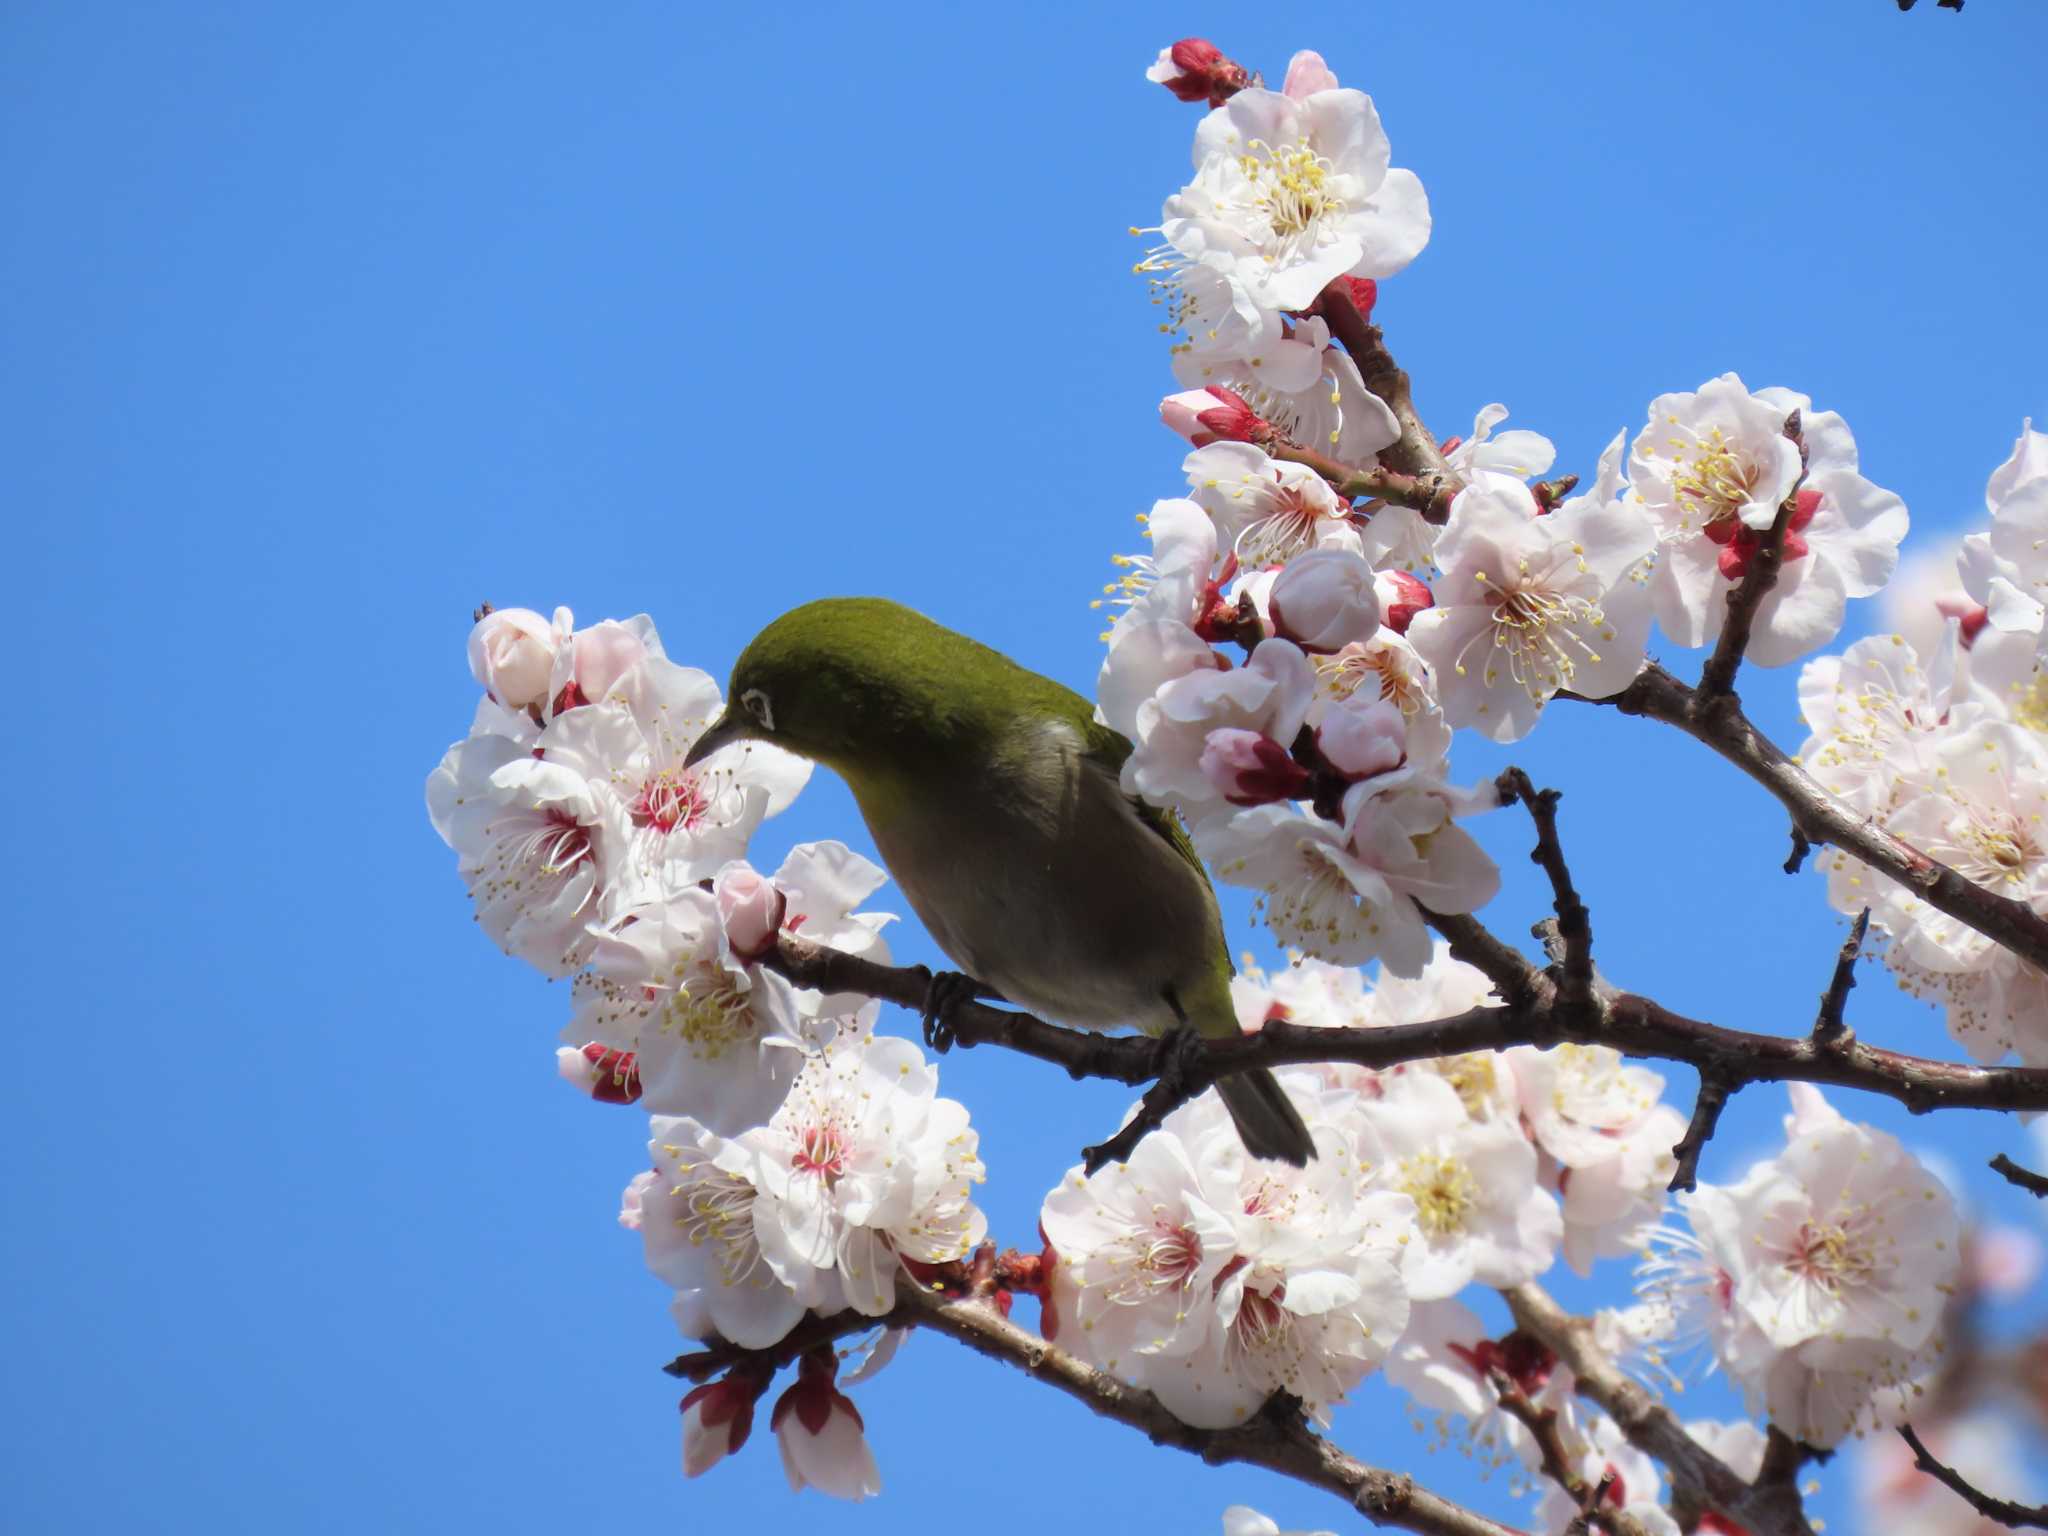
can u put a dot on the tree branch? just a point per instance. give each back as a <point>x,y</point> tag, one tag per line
<point>1429,495</point>
<point>2004,1511</point>
<point>2033,1183</point>
<point>1819,817</point>
<point>1634,1025</point>
<point>1707,1105</point>
<point>1415,452</point>
<point>1574,922</point>
<point>1829,1028</point>
<point>1765,1508</point>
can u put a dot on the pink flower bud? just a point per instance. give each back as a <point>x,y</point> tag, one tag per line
<point>1364,293</point>
<point>605,653</point>
<point>718,1416</point>
<point>1324,600</point>
<point>821,1434</point>
<point>1360,740</point>
<point>1195,69</point>
<point>751,907</point>
<point>512,654</point>
<point>1251,769</point>
<point>1402,596</point>
<point>1214,414</point>
<point>608,1076</point>
<point>1971,617</point>
<point>1307,74</point>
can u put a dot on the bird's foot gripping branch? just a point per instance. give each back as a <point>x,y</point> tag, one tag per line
<point>1321,1163</point>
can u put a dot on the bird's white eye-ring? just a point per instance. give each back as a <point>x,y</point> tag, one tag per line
<point>755,703</point>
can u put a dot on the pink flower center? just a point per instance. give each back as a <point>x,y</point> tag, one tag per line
<point>671,799</point>
<point>564,844</point>
<point>820,1150</point>
<point>1739,542</point>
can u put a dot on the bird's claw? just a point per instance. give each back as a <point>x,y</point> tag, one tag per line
<point>946,991</point>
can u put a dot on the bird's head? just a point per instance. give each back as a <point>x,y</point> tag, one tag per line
<point>838,681</point>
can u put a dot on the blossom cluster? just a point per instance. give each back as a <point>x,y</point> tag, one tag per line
<point>1290,660</point>
<point>798,1162</point>
<point>1317,771</point>
<point>1938,733</point>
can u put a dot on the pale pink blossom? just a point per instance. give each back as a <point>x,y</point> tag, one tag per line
<point>512,655</point>
<point>1324,600</point>
<point>823,1441</point>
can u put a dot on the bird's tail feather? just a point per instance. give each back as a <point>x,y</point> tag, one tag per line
<point>1267,1122</point>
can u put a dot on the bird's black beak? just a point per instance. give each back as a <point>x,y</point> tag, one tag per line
<point>729,727</point>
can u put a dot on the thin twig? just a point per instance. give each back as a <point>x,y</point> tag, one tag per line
<point>2004,1511</point>
<point>1802,847</point>
<point>1707,1105</point>
<point>1574,922</point>
<point>2033,1183</point>
<point>1829,1028</point>
<point>1429,495</point>
<point>1415,452</point>
<point>1821,818</point>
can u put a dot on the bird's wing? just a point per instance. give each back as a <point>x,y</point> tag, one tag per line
<point>1108,749</point>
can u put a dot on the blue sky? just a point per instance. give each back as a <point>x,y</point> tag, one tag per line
<point>326,323</point>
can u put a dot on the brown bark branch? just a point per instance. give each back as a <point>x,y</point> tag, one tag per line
<point>1415,452</point>
<point>2004,1511</point>
<point>1819,817</point>
<point>1768,1507</point>
<point>1574,921</point>
<point>1277,1438</point>
<point>1429,495</point>
<point>2033,1183</point>
<point>1634,1025</point>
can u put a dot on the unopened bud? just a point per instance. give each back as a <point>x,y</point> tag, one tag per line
<point>1248,768</point>
<point>1324,599</point>
<point>1195,69</point>
<point>751,907</point>
<point>608,1076</point>
<point>1307,74</point>
<point>512,654</point>
<point>1214,414</point>
<point>718,1416</point>
<point>1360,740</point>
<point>1402,596</point>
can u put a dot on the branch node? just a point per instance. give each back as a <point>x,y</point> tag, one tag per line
<point>2033,1183</point>
<point>1714,1093</point>
<point>1802,846</point>
<point>1830,1032</point>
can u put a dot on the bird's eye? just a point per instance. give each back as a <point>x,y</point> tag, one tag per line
<point>755,703</point>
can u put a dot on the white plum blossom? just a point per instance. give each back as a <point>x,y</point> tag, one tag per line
<point>1215,1279</point>
<point>1925,592</point>
<point>1295,382</point>
<point>1445,1362</point>
<point>695,1217</point>
<point>1531,604</point>
<point>712,1036</point>
<point>811,896</point>
<point>1820,1276</point>
<point>2006,569</point>
<point>1348,893</point>
<point>1878,713</point>
<point>1478,1211</point>
<point>1144,657</point>
<point>1269,695</point>
<point>1517,453</point>
<point>1386,668</point>
<point>539,845</point>
<point>1267,510</point>
<point>1712,468</point>
<point>1289,194</point>
<point>1178,581</point>
<point>684,822</point>
<point>862,1165</point>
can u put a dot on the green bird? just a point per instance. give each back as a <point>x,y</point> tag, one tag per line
<point>992,796</point>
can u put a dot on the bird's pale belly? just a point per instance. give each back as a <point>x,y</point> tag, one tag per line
<point>1087,916</point>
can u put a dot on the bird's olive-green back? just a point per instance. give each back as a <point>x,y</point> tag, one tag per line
<point>888,698</point>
